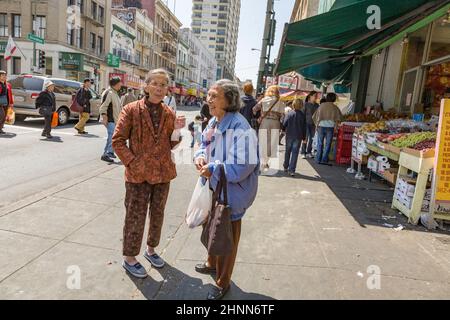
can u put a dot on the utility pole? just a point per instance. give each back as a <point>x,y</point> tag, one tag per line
<point>264,60</point>
<point>33,13</point>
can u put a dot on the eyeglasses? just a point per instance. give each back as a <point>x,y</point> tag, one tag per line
<point>159,85</point>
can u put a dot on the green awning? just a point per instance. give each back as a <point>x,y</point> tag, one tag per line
<point>342,33</point>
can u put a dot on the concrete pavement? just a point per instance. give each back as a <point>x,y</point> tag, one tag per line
<point>317,236</point>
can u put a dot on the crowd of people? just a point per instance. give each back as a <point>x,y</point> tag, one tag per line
<point>143,132</point>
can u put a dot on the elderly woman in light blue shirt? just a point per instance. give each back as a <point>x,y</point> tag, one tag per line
<point>228,141</point>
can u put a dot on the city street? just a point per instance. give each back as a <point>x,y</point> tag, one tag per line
<point>309,237</point>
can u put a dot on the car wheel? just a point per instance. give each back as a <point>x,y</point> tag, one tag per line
<point>63,116</point>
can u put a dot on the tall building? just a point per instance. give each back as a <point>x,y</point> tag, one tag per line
<point>166,28</point>
<point>75,34</point>
<point>216,24</point>
<point>202,63</point>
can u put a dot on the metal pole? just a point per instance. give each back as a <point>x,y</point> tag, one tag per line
<point>33,15</point>
<point>265,44</point>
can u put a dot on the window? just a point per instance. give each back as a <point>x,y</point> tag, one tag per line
<point>70,36</point>
<point>100,46</point>
<point>79,3</point>
<point>3,25</point>
<point>139,35</point>
<point>92,41</point>
<point>101,14</point>
<point>79,42</point>
<point>17,25</point>
<point>212,38</point>
<point>94,10</point>
<point>214,22</point>
<point>40,26</point>
<point>24,83</point>
<point>17,69</point>
<point>66,87</point>
<point>213,30</point>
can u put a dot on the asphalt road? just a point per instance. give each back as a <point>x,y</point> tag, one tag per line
<point>30,163</point>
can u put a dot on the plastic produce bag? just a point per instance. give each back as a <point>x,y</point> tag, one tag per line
<point>200,205</point>
<point>54,120</point>
<point>10,116</point>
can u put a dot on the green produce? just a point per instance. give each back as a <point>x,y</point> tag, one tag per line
<point>410,140</point>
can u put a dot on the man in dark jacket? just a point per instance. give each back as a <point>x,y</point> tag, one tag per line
<point>46,103</point>
<point>248,102</point>
<point>83,99</point>
<point>295,126</point>
<point>311,107</point>
<point>6,99</point>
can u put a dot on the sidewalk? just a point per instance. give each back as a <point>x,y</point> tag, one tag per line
<point>313,237</point>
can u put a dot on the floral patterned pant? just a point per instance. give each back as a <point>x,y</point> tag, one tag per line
<point>142,198</point>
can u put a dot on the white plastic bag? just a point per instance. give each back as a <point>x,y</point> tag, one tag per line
<point>200,205</point>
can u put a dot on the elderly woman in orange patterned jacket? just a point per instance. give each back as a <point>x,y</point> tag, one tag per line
<point>152,130</point>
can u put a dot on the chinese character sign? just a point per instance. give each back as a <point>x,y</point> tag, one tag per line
<point>442,165</point>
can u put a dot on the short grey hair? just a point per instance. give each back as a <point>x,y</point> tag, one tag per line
<point>157,72</point>
<point>232,94</point>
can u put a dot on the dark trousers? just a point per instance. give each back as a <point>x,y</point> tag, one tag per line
<point>324,138</point>
<point>225,264</point>
<point>291,155</point>
<point>310,133</point>
<point>48,123</point>
<point>3,110</point>
<point>142,198</point>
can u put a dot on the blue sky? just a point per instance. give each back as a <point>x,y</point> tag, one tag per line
<point>251,30</point>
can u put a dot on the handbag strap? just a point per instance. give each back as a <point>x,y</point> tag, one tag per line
<point>221,187</point>
<point>270,110</point>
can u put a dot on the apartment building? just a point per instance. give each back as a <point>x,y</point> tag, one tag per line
<point>216,24</point>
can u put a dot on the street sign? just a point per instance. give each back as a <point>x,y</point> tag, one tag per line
<point>35,38</point>
<point>112,60</point>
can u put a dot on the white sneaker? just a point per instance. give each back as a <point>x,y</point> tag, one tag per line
<point>304,156</point>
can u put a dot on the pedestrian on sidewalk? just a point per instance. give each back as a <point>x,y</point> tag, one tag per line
<point>46,103</point>
<point>128,98</point>
<point>326,119</point>
<point>294,125</point>
<point>110,111</point>
<point>248,102</point>
<point>241,166</point>
<point>311,107</point>
<point>6,99</point>
<point>84,97</point>
<point>271,109</point>
<point>146,132</point>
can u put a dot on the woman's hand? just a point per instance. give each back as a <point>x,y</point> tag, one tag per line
<point>200,163</point>
<point>204,172</point>
<point>180,122</point>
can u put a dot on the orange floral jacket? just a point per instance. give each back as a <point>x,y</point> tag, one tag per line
<point>147,157</point>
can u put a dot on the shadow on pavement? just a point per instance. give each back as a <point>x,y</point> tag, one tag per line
<point>8,135</point>
<point>177,285</point>
<point>368,202</point>
<point>54,139</point>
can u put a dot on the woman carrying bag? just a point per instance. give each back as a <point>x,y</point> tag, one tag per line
<point>46,102</point>
<point>228,158</point>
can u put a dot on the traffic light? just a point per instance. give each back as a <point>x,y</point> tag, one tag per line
<point>41,59</point>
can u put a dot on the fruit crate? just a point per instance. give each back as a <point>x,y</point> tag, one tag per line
<point>345,149</point>
<point>342,159</point>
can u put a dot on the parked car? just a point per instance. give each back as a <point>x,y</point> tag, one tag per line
<point>26,89</point>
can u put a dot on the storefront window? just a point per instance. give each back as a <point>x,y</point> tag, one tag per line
<point>416,48</point>
<point>440,39</point>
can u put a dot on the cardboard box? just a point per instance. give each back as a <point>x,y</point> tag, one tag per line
<point>390,175</point>
<point>382,168</point>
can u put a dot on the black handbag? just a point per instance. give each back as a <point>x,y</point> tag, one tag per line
<point>217,235</point>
